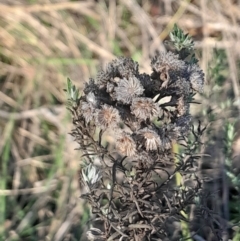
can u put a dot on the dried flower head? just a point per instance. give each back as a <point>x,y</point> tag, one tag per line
<point>145,108</point>
<point>87,110</point>
<point>152,140</point>
<point>126,145</point>
<point>107,117</point>
<point>123,67</point>
<point>196,77</point>
<point>128,89</point>
<point>128,67</point>
<point>165,62</point>
<point>182,86</point>
<point>103,77</point>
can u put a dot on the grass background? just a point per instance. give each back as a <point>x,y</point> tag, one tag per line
<point>42,42</point>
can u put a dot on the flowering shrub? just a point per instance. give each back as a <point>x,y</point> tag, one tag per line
<point>129,181</point>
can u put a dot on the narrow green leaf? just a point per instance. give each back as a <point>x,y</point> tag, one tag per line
<point>69,85</point>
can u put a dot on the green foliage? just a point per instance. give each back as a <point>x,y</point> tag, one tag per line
<point>72,94</point>
<point>222,131</point>
<point>116,48</point>
<point>229,138</point>
<point>181,40</point>
<point>234,178</point>
<point>92,22</point>
<point>183,44</point>
<point>218,69</point>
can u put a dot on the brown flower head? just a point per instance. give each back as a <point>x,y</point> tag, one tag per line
<point>196,77</point>
<point>152,140</point>
<point>103,77</point>
<point>88,107</point>
<point>107,117</point>
<point>87,110</point>
<point>126,145</point>
<point>123,67</point>
<point>165,62</point>
<point>167,59</point>
<point>144,108</point>
<point>127,67</point>
<point>128,89</point>
<point>182,86</point>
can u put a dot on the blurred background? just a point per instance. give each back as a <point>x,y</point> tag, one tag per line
<point>42,42</point>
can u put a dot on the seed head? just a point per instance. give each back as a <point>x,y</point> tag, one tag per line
<point>151,139</point>
<point>126,145</point>
<point>87,110</point>
<point>128,89</point>
<point>196,77</point>
<point>144,108</point>
<point>165,62</point>
<point>107,117</point>
<point>124,67</point>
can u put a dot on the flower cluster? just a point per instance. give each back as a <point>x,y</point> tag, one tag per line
<point>128,105</point>
<point>120,98</point>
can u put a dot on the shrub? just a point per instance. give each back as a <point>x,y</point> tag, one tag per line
<point>129,181</point>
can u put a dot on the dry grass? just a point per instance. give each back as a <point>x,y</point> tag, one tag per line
<point>44,42</point>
